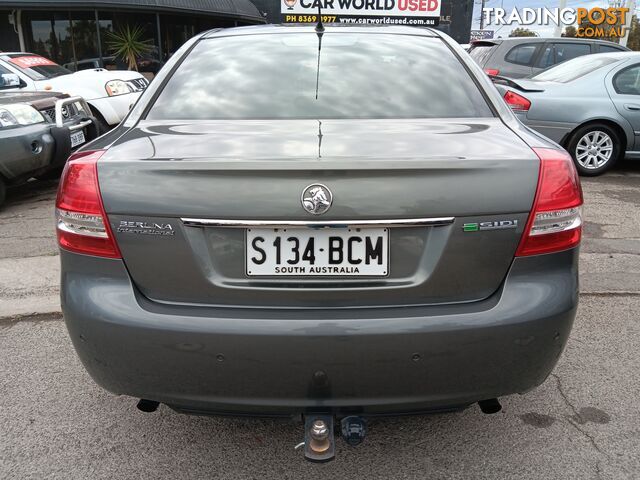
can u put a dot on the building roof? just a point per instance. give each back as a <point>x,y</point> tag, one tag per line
<point>231,8</point>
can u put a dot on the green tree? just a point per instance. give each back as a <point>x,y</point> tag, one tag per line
<point>128,45</point>
<point>570,31</point>
<point>522,32</point>
<point>633,42</point>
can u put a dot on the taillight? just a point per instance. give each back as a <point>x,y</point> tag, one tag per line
<point>517,102</point>
<point>555,222</point>
<point>492,72</point>
<point>82,224</point>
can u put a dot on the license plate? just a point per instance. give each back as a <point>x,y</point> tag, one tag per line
<point>317,252</point>
<point>77,138</point>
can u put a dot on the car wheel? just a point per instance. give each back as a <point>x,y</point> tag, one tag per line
<point>101,125</point>
<point>594,148</point>
<point>3,191</point>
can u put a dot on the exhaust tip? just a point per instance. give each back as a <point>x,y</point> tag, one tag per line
<point>147,406</point>
<point>490,406</point>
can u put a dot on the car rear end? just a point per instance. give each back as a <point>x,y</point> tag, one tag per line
<point>484,53</point>
<point>555,102</point>
<point>286,234</point>
<point>531,104</point>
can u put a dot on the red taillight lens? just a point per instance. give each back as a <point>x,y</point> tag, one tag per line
<point>82,224</point>
<point>517,102</point>
<point>492,72</point>
<point>555,222</point>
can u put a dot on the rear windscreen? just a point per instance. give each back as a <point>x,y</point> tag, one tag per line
<point>578,67</point>
<point>480,53</point>
<point>340,75</point>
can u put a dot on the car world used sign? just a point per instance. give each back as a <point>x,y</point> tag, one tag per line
<point>376,12</point>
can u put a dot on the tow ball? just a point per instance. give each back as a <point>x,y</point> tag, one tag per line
<point>319,435</point>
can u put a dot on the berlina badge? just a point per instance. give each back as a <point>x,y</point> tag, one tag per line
<point>316,199</point>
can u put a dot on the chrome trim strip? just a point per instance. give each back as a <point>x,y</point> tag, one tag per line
<point>544,125</point>
<point>400,222</point>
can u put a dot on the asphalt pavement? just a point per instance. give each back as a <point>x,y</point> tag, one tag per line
<point>583,422</point>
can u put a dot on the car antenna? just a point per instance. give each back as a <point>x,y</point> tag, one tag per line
<point>319,32</point>
<point>319,25</point>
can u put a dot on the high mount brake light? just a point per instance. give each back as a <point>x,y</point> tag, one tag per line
<point>555,222</point>
<point>492,72</point>
<point>517,102</point>
<point>82,225</point>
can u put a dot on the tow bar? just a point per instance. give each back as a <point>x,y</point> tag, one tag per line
<point>319,435</point>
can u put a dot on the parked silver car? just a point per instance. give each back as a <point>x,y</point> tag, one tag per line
<point>589,105</point>
<point>320,222</point>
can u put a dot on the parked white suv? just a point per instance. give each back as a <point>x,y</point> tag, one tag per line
<point>109,93</point>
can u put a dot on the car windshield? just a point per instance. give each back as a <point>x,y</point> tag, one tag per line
<point>573,69</point>
<point>351,76</point>
<point>35,66</point>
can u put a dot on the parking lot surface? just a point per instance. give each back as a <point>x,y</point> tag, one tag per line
<point>583,422</point>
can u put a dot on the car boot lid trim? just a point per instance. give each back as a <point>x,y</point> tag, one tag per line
<point>401,222</point>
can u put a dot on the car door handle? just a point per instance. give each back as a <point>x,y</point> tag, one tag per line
<point>632,106</point>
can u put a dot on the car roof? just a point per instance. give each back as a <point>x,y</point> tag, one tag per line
<point>93,59</point>
<point>617,55</point>
<point>297,28</point>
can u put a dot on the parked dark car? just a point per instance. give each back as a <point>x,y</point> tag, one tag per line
<point>524,56</point>
<point>38,132</point>
<point>147,63</point>
<point>108,63</point>
<point>320,222</point>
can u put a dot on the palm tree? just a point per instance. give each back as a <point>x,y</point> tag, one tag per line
<point>128,45</point>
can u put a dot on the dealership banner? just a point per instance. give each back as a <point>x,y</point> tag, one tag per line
<point>375,12</point>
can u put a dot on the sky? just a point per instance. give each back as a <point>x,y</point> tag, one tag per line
<point>542,30</point>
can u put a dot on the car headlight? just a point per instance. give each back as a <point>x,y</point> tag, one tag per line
<point>19,114</point>
<point>117,87</point>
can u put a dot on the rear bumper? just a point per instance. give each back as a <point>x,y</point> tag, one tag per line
<point>556,131</point>
<point>287,361</point>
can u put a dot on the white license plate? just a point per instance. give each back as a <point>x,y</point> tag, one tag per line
<point>317,252</point>
<point>77,138</point>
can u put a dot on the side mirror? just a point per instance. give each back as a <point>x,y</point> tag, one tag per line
<point>9,80</point>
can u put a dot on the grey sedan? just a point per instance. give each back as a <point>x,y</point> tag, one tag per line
<point>324,223</point>
<point>589,105</point>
